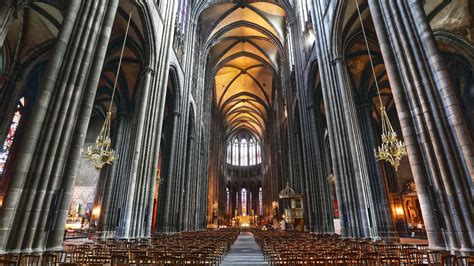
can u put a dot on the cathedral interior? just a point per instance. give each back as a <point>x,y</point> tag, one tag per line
<point>187,131</point>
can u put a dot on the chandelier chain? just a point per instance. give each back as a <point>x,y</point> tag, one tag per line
<point>369,53</point>
<point>121,57</point>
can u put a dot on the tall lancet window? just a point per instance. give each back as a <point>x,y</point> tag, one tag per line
<point>229,153</point>
<point>244,202</point>
<point>227,200</point>
<point>260,201</point>
<point>235,152</point>
<point>243,151</point>
<point>252,153</point>
<point>259,158</point>
<point>4,153</point>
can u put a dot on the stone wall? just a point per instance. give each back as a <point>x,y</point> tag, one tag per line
<point>87,176</point>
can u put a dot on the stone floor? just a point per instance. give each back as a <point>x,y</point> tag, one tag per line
<point>244,251</point>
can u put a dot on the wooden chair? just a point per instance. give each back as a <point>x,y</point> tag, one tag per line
<point>10,257</point>
<point>448,260</point>
<point>136,253</point>
<point>5,262</point>
<point>465,260</point>
<point>390,261</point>
<point>119,259</point>
<point>30,260</point>
<point>415,257</point>
<point>98,260</point>
<point>422,247</point>
<point>366,261</point>
<point>69,248</point>
<point>143,259</point>
<point>78,257</point>
<point>434,257</point>
<point>49,259</point>
<point>61,255</point>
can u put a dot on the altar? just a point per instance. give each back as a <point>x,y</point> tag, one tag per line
<point>244,221</point>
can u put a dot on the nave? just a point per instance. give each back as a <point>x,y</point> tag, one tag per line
<point>226,131</point>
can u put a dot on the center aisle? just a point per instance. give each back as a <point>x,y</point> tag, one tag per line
<point>244,251</point>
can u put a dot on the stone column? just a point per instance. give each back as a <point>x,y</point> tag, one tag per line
<point>28,199</point>
<point>189,185</point>
<point>355,196</point>
<point>126,229</point>
<point>168,189</point>
<point>79,130</point>
<point>439,145</point>
<point>385,225</point>
<point>109,182</point>
<point>317,205</point>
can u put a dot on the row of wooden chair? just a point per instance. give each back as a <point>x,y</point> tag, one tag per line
<point>192,248</point>
<point>298,248</point>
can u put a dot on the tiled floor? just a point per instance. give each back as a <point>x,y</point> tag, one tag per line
<point>244,251</point>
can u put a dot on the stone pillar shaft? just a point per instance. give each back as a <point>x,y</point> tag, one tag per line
<point>439,146</point>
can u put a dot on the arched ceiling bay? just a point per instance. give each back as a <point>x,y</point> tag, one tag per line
<point>244,55</point>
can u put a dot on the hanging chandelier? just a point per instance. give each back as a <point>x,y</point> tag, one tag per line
<point>101,152</point>
<point>391,149</point>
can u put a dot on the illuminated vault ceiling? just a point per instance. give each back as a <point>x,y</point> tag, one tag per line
<point>245,41</point>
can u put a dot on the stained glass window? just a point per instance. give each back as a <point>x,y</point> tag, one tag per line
<point>243,152</point>
<point>227,200</point>
<point>235,152</point>
<point>260,201</point>
<point>10,136</point>
<point>229,153</point>
<point>244,201</point>
<point>259,158</point>
<point>252,153</point>
<point>250,204</point>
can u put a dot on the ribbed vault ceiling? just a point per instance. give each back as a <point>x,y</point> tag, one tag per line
<point>244,55</point>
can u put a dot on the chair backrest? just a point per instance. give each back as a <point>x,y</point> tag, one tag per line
<point>390,261</point>
<point>448,260</point>
<point>434,257</point>
<point>465,260</point>
<point>119,259</point>
<point>367,261</point>
<point>10,257</point>
<point>141,259</point>
<point>49,259</point>
<point>78,257</point>
<point>30,259</point>
<point>5,262</point>
<point>415,257</point>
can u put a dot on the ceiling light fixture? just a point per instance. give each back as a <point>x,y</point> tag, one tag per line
<point>391,150</point>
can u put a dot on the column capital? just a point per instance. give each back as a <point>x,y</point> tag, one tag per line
<point>338,59</point>
<point>176,113</point>
<point>149,70</point>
